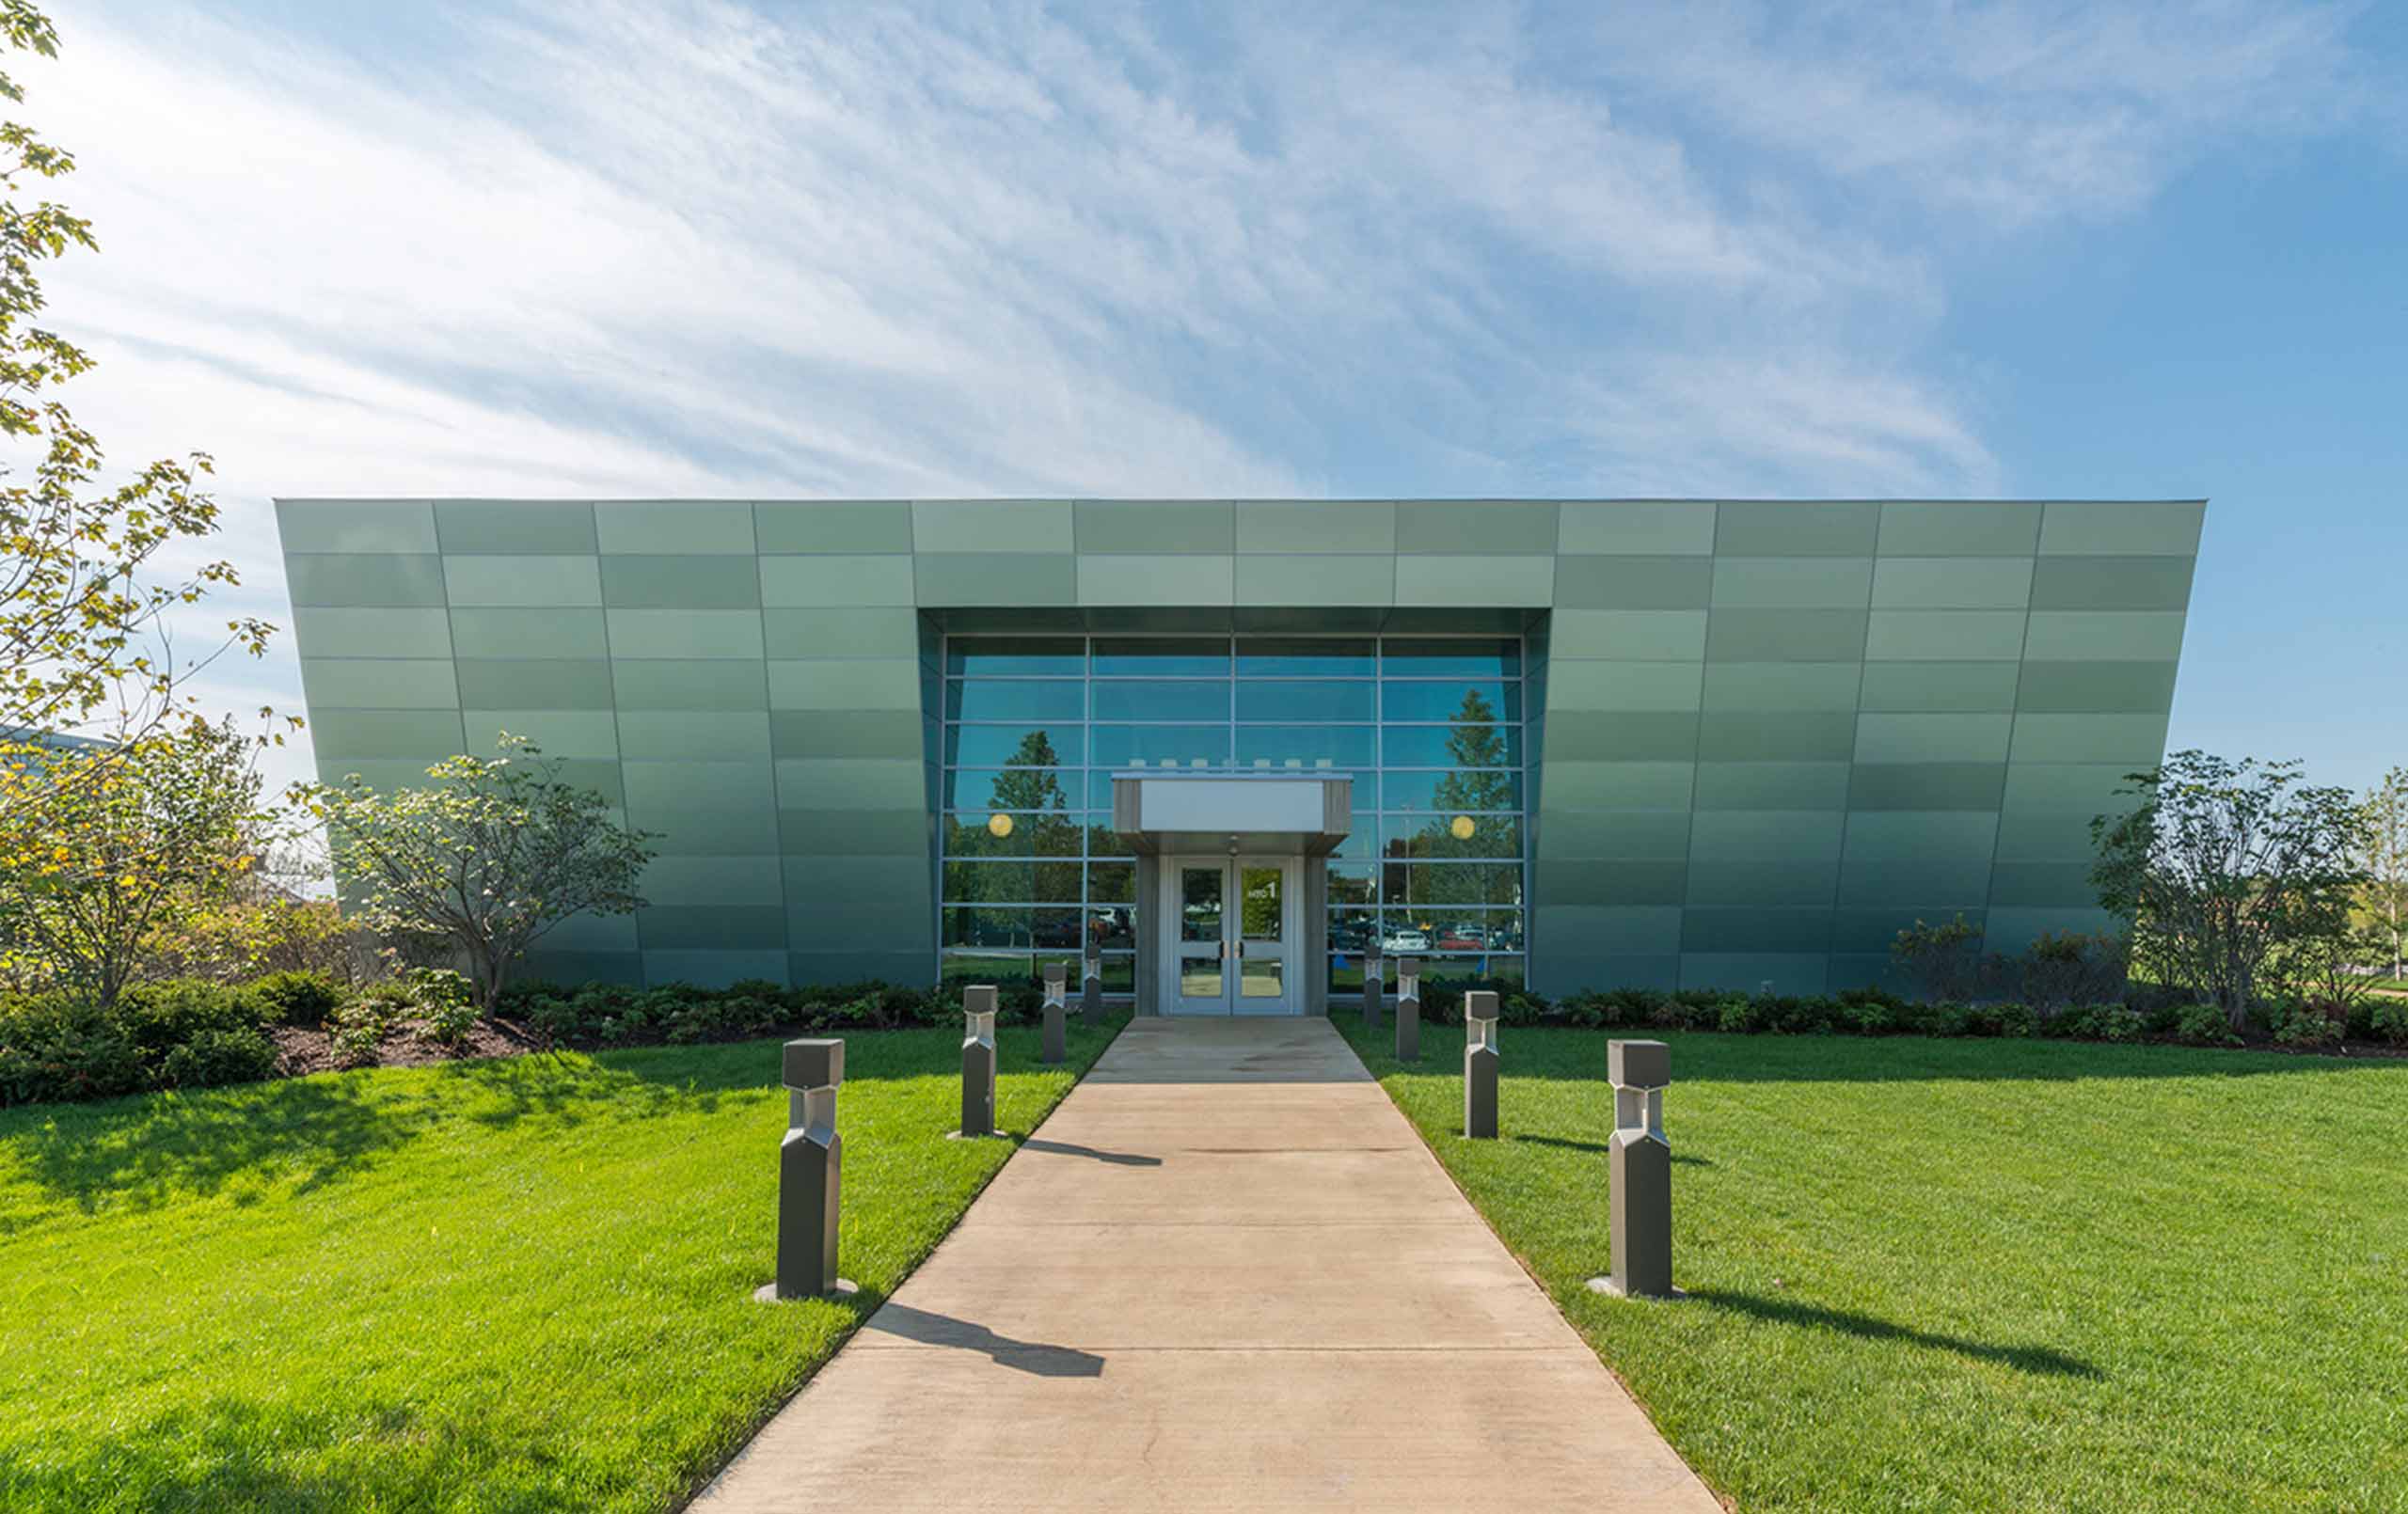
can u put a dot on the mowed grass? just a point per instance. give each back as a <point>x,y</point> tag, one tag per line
<point>497,1286</point>
<point>1979,1274</point>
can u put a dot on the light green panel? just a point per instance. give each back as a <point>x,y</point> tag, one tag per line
<point>855,832</point>
<point>514,528</point>
<point>364,526</point>
<point>846,733</point>
<point>1938,686</point>
<point>2106,635</point>
<point>534,684</point>
<point>1787,528</point>
<point>1451,582</point>
<point>673,528</point>
<point>559,733</point>
<point>697,828</point>
<point>1783,686</point>
<point>983,526</point>
<point>1959,530</point>
<point>372,633</point>
<point>847,526</point>
<point>829,784</point>
<point>1279,526</point>
<point>1155,527</point>
<point>731,735</point>
<point>814,880</point>
<point>1776,735</point>
<point>681,684</point>
<point>2111,583</point>
<point>1792,583</point>
<point>1914,835</point>
<point>523,580</point>
<point>1643,528</point>
<point>2123,528</point>
<point>1772,785</point>
<point>1952,583</point>
<point>650,785</point>
<point>2090,787</point>
<point>835,581</point>
<point>1575,684</point>
<point>949,580</point>
<point>715,634</point>
<point>1156,580</point>
<point>555,632</point>
<point>1793,835</point>
<point>1476,527</point>
<point>1944,635</point>
<point>1636,929</point>
<point>2046,836</point>
<point>2077,688</point>
<point>667,582</point>
<point>1326,580</point>
<point>383,774</point>
<point>839,683</point>
<point>867,631</point>
<point>1587,785</point>
<point>1785,636</point>
<point>421,734</point>
<point>361,581</point>
<point>2136,740</point>
<point>1630,635</point>
<point>1933,738</point>
<point>378,684</point>
<point>1633,583</point>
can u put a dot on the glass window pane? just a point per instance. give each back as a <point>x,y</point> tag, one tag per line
<point>1334,747</point>
<point>1262,893</point>
<point>1060,655</point>
<point>1431,746</point>
<point>1013,788</point>
<point>1119,974</point>
<point>1464,700</point>
<point>1330,699</point>
<point>1421,884</point>
<point>1115,927</point>
<point>1200,901</point>
<point>1156,746</point>
<point>1199,700</point>
<point>1477,788</point>
<point>1303,657</point>
<point>1161,657</point>
<point>1111,883</point>
<point>984,926</point>
<point>1451,657</point>
<point>997,746</point>
<point>1350,883</point>
<point>979,833</point>
<point>1363,834</point>
<point>1506,971</point>
<point>1351,928</point>
<point>1492,836</point>
<point>1057,930</point>
<point>1027,699</point>
<point>1102,841</point>
<point>985,882</point>
<point>987,967</point>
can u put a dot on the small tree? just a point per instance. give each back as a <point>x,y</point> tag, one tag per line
<point>2226,872</point>
<point>102,848</point>
<point>485,860</point>
<point>2386,866</point>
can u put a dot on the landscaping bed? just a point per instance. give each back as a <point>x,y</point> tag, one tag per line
<point>1943,1274</point>
<point>521,1284</point>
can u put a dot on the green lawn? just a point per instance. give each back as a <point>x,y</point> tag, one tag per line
<point>505,1286</point>
<point>1979,1274</point>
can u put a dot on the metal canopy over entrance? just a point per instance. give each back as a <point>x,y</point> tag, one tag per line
<point>1234,868</point>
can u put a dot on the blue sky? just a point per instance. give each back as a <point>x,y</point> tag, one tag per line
<point>633,249</point>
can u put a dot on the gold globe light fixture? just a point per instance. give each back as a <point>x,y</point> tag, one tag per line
<point>999,825</point>
<point>1461,827</point>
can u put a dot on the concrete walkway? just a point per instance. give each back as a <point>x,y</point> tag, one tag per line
<point>1225,1274</point>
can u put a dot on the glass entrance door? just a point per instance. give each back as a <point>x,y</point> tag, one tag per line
<point>1233,947</point>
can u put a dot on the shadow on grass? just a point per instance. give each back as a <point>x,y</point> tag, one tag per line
<point>2038,1359</point>
<point>928,1329</point>
<point>1602,1149</point>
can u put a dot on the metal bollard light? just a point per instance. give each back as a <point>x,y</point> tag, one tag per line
<point>1091,990</point>
<point>1480,1065</point>
<point>1372,985</point>
<point>1408,1009</point>
<point>1640,1219</point>
<point>978,1060</point>
<point>1057,976</point>
<point>809,1170</point>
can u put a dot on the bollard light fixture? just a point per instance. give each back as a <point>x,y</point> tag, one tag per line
<point>1640,1198</point>
<point>810,1173</point>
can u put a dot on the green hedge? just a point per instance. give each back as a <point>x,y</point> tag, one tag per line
<point>182,1033</point>
<point>610,1014</point>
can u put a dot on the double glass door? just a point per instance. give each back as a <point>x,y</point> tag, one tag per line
<point>1232,941</point>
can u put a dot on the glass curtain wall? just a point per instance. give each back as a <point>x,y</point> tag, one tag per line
<point>1430,728</point>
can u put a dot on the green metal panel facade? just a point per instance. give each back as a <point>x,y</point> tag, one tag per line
<point>1765,734</point>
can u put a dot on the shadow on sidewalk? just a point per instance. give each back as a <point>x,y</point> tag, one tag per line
<point>1021,1356</point>
<point>1065,1149</point>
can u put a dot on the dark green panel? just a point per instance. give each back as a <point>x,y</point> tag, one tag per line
<point>1786,635</point>
<point>838,923</point>
<point>846,733</point>
<point>690,684</point>
<point>946,579</point>
<point>1959,883</point>
<point>1150,525</point>
<point>2045,884</point>
<point>1776,735</point>
<point>1866,970</point>
<point>2097,687</point>
<point>571,968</point>
<point>2111,583</point>
<point>534,684</point>
<point>553,631</point>
<point>1755,930</point>
<point>1938,687</point>
<point>342,735</point>
<point>1658,834</point>
<point>1772,785</point>
<point>833,526</point>
<point>852,631</point>
<point>1762,883</point>
<point>1926,786</point>
<point>364,580</point>
<point>1474,528</point>
<point>595,773</point>
<point>1626,881</point>
<point>1788,972</point>
<point>528,528</point>
<point>1782,529</point>
<point>853,832</point>
<point>917,967</point>
<point>1569,971</point>
<point>703,829</point>
<point>717,927</point>
<point>1633,583</point>
<point>1869,932</point>
<point>1631,735</point>
<point>696,582</point>
<point>1953,530</point>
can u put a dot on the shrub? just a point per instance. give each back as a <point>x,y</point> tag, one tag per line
<point>361,1023</point>
<point>2388,1018</point>
<point>1943,962</point>
<point>302,999</point>
<point>59,1047</point>
<point>446,1003</point>
<point>2310,1022</point>
<point>2062,968</point>
<point>215,1057</point>
<point>160,1017</point>
<point>2204,1024</point>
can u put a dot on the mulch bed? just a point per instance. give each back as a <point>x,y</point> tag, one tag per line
<point>300,1052</point>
